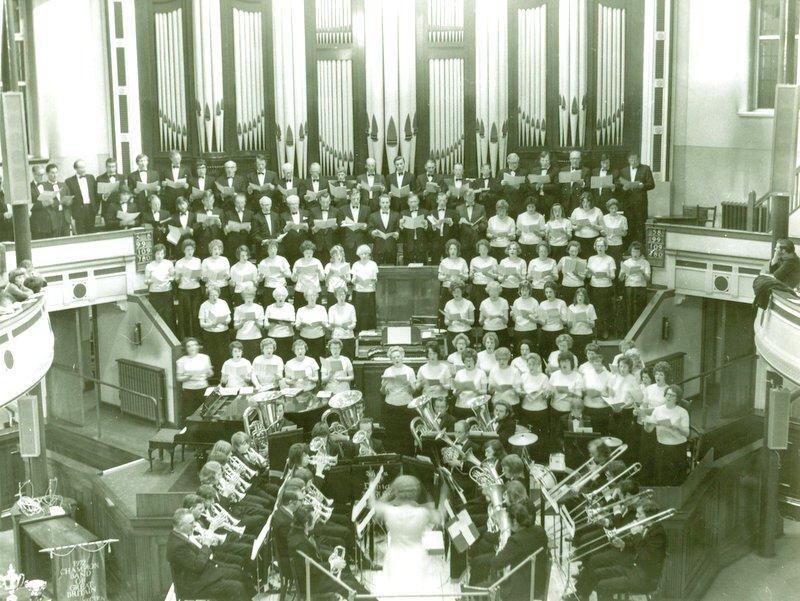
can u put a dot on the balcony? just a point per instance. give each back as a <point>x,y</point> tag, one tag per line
<point>709,262</point>
<point>89,269</point>
<point>26,349</point>
<point>777,335</point>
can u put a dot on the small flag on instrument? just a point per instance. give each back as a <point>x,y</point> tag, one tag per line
<point>462,531</point>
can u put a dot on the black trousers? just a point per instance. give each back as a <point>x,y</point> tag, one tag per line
<point>603,301</point>
<point>635,302</point>
<point>163,304</point>
<point>188,308</point>
<point>670,464</point>
<point>225,589</point>
<point>397,422</point>
<point>615,579</point>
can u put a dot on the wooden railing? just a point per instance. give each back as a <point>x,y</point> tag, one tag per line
<point>750,216</point>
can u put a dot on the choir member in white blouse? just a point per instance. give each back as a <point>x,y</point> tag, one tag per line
<point>581,317</point>
<point>311,321</point>
<point>187,275</point>
<point>586,220</point>
<point>279,318</point>
<point>337,370</point>
<point>307,272</point>
<point>558,231</point>
<point>243,274</point>
<point>300,371</point>
<point>493,312</point>
<point>563,345</point>
<point>248,319</point>
<point>461,343</point>
<point>237,370</point>
<point>614,227</point>
<point>601,270</point>
<point>596,387</point>
<point>397,385</point>
<point>635,274</point>
<point>273,270</point>
<point>520,362</point>
<point>500,230</point>
<point>365,278</point>
<point>524,311</point>
<point>459,314</point>
<point>530,229</point>
<point>572,269</point>
<point>625,393</point>
<point>541,270</point>
<point>504,381</point>
<point>552,317</point>
<point>192,371</point>
<point>565,385</point>
<point>486,359</point>
<point>511,272</point>
<point>216,269</point>
<point>535,387</point>
<point>653,397</point>
<point>337,275</point>
<point>482,270</point>
<point>671,424</point>
<point>433,376</point>
<point>453,269</point>
<point>342,321</point>
<point>469,382</point>
<point>267,367</point>
<point>158,275</point>
<point>215,317</point>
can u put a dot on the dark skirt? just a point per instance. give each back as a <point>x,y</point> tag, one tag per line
<point>537,421</point>
<point>601,418</point>
<point>556,252</point>
<point>189,302</point>
<point>603,301</point>
<point>579,342</point>
<point>498,252</point>
<point>527,251</point>
<point>635,302</point>
<point>587,247</point>
<point>163,303</point>
<point>252,348</point>
<point>283,347</point>
<point>348,348</point>
<point>478,295</point>
<point>670,464</point>
<point>190,401</point>
<point>316,347</point>
<point>647,457</point>
<point>366,310</point>
<point>215,345</point>
<point>510,294</point>
<point>538,294</point>
<point>266,296</point>
<point>519,337</point>
<point>396,421</point>
<point>547,342</point>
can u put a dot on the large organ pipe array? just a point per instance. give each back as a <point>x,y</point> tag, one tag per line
<point>390,64</point>
<point>610,99</point>
<point>334,22</point>
<point>445,21</point>
<point>335,106</point>
<point>248,62</point>
<point>446,113</point>
<point>171,76</point>
<point>209,105</point>
<point>288,42</point>
<point>491,82</point>
<point>572,58</point>
<point>531,76</point>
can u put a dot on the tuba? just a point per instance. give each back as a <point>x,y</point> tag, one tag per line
<point>361,439</point>
<point>483,418</point>
<point>348,409</point>
<point>452,453</point>
<point>424,406</point>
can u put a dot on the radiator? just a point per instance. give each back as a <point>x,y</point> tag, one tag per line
<point>145,379</point>
<point>734,217</point>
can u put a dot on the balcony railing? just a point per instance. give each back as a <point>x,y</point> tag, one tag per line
<point>777,334</point>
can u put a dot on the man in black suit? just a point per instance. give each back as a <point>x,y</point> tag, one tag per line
<point>239,214</point>
<point>571,192</point>
<point>37,183</point>
<point>288,185</point>
<point>443,418</point>
<point>575,450</point>
<point>198,183</point>
<point>121,202</point>
<point>83,189</point>
<point>414,239</point>
<point>371,185</point>
<point>341,181</point>
<point>323,239</point>
<point>546,193</point>
<point>143,176</point>
<point>296,229</point>
<point>456,187</point>
<point>281,524</point>
<point>635,179</point>
<point>384,227</point>
<point>229,185</point>
<point>514,194</point>
<point>785,264</point>
<point>267,226</point>
<point>443,226</point>
<point>398,180</point>
<point>313,185</point>
<point>428,185</point>
<point>638,569</point>
<point>260,182</point>
<point>110,176</point>
<point>186,221</point>
<point>157,218</point>
<point>471,222</point>
<point>43,222</point>
<point>352,238</point>
<point>179,173</point>
<point>208,229</point>
<point>604,194</point>
<point>195,573</point>
<point>486,189</point>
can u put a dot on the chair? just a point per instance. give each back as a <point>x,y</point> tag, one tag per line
<point>704,216</point>
<point>164,440</point>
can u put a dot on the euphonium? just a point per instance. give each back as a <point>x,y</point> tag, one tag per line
<point>361,439</point>
<point>480,407</point>
<point>348,409</point>
<point>424,406</point>
<point>485,477</point>
<point>453,453</point>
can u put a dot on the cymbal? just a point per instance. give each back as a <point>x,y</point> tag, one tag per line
<point>611,441</point>
<point>523,439</point>
<point>345,399</point>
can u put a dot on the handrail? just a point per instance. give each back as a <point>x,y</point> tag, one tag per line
<point>72,371</point>
<point>351,592</point>
<point>530,558</point>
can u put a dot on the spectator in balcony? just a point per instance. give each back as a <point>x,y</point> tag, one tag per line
<point>785,264</point>
<point>16,288</point>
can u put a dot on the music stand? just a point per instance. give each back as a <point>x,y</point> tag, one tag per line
<point>576,444</point>
<point>279,444</point>
<point>262,536</point>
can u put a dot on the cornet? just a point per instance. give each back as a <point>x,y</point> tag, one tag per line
<point>256,458</point>
<point>233,476</point>
<point>362,439</point>
<point>321,460</point>
<point>336,560</point>
<point>228,490</point>
<point>241,468</point>
<point>312,491</point>
<point>217,514</point>
<point>208,534</point>
<point>322,513</point>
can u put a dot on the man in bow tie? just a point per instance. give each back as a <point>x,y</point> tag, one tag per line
<point>571,192</point>
<point>142,176</point>
<point>200,182</point>
<point>297,228</point>
<point>471,221</point>
<point>230,184</point>
<point>371,184</point>
<point>314,184</point>
<point>486,189</point>
<point>514,194</point>
<point>384,227</point>
<point>428,185</point>
<point>209,228</point>
<point>83,188</point>
<point>414,228</point>
<point>443,228</point>
<point>400,179</point>
<point>186,221</point>
<point>261,181</point>
<point>355,212</point>
<point>636,180</point>
<point>179,173</point>
<point>234,239</point>
<point>323,239</point>
<point>267,226</point>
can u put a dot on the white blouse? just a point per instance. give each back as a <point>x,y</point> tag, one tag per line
<point>453,270</point>
<point>596,386</point>
<point>243,275</point>
<point>530,228</point>
<point>365,276</point>
<point>565,387</point>
<point>581,319</point>
<point>512,271</point>
<point>307,273</point>
<point>188,271</point>
<point>637,272</point>
<point>541,271</point>
<point>285,314</point>
<point>503,382</point>
<point>311,322</point>
<point>336,276</point>
<point>500,231</point>
<point>553,315</point>
<point>303,373</point>
<point>468,385</point>
<point>215,317</point>
<point>238,372</point>
<point>198,368</point>
<point>159,275</point>
<point>216,270</point>
<point>342,319</point>
<point>525,311</point>
<point>602,269</point>
<point>534,389</point>
<point>268,371</point>
<point>483,270</point>
<point>332,366</point>
<point>248,319</point>
<point>558,231</point>
<point>486,361</point>
<point>570,279</point>
<point>678,418</point>
<point>494,313</point>
<point>593,216</point>
<point>614,228</point>
<point>461,309</point>
<point>398,383</point>
<point>431,377</point>
<point>273,271</point>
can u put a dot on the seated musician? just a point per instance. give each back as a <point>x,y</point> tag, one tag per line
<point>332,529</point>
<point>371,446</point>
<point>526,538</point>
<point>302,539</point>
<point>282,518</point>
<point>512,469</point>
<point>488,535</point>
<point>454,460</point>
<point>237,370</point>
<point>242,448</point>
<point>639,566</point>
<point>298,456</point>
<point>252,513</point>
<point>575,419</point>
<point>221,453</point>
<point>281,421</point>
<point>229,548</point>
<point>267,367</point>
<point>195,572</point>
<point>493,453</point>
<point>505,424</point>
<point>615,514</point>
<point>443,418</point>
<point>333,445</point>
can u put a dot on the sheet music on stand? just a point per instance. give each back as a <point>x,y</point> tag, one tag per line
<point>262,536</point>
<point>360,505</point>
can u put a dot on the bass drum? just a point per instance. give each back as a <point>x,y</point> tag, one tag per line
<point>542,477</point>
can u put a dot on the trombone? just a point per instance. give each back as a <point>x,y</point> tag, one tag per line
<point>596,514</point>
<point>580,481</point>
<point>591,497</point>
<point>611,534</point>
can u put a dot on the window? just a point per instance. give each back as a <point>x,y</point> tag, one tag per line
<point>766,53</point>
